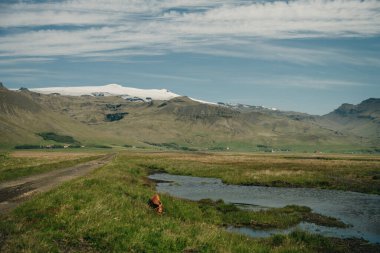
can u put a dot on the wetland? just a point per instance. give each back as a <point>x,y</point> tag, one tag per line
<point>106,210</point>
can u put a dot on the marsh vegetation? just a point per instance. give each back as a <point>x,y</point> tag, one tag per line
<point>107,211</point>
<point>359,173</point>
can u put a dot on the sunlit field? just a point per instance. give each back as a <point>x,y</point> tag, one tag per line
<point>25,163</point>
<point>359,173</point>
<point>107,210</point>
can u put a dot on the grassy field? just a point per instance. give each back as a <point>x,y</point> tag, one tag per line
<point>107,211</point>
<point>26,163</point>
<point>359,173</point>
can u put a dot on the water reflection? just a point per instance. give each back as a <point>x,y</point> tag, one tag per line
<point>360,210</point>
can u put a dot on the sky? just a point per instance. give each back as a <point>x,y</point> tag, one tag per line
<point>306,56</point>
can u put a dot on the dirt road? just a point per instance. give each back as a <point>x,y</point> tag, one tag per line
<point>13,193</point>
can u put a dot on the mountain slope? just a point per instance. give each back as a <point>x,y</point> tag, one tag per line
<point>22,117</point>
<point>180,120</point>
<point>190,123</point>
<point>362,120</point>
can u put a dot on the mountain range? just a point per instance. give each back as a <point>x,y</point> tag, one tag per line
<point>113,115</point>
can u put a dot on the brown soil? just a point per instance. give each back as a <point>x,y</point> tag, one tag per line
<point>13,193</point>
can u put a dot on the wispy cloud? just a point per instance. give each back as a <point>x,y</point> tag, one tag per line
<point>20,70</point>
<point>17,60</point>
<point>310,83</point>
<point>117,28</point>
<point>22,75</point>
<point>171,77</point>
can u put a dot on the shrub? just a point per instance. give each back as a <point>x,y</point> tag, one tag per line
<point>56,137</point>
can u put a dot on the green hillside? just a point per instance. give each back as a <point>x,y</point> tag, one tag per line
<point>362,120</point>
<point>23,119</point>
<point>186,124</point>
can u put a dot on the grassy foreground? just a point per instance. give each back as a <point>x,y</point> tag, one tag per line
<point>107,211</point>
<point>27,163</point>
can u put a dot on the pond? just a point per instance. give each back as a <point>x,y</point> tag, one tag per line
<point>361,211</point>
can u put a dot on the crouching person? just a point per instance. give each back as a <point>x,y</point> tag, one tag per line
<point>156,204</point>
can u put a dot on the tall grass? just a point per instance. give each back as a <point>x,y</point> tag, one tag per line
<point>353,173</point>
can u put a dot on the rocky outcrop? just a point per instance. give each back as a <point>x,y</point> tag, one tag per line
<point>186,108</point>
<point>113,107</point>
<point>115,116</point>
<point>369,109</point>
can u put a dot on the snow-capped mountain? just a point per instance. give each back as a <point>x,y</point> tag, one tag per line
<point>110,90</point>
<point>128,93</point>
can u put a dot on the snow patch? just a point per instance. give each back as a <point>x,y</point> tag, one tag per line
<point>203,102</point>
<point>110,90</point>
<point>113,89</point>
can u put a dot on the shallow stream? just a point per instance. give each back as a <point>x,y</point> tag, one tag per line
<point>361,211</point>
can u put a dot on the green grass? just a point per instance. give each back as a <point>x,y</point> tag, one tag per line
<point>172,145</point>
<point>16,167</point>
<point>220,213</point>
<point>107,211</point>
<point>359,173</point>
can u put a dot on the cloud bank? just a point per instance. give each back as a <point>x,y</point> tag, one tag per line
<point>116,28</point>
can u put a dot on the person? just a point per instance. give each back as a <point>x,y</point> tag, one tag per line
<point>155,203</point>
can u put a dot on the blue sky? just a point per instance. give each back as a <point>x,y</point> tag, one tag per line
<point>307,56</point>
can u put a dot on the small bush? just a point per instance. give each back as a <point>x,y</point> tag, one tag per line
<point>101,146</point>
<point>28,146</point>
<point>50,136</point>
<point>278,239</point>
<point>171,145</point>
<point>4,156</point>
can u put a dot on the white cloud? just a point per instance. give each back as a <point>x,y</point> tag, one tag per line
<point>20,70</point>
<point>170,77</point>
<point>294,19</point>
<point>41,18</point>
<point>309,83</point>
<point>115,28</point>
<point>15,61</point>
